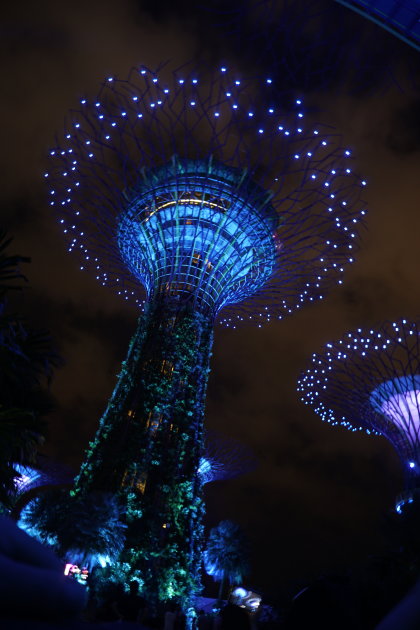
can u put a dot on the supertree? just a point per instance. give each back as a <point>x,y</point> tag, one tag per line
<point>224,458</point>
<point>194,196</point>
<point>42,474</point>
<point>370,380</point>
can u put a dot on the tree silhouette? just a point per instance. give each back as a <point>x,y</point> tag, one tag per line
<point>27,360</point>
<point>9,268</point>
<point>226,556</point>
<point>81,530</point>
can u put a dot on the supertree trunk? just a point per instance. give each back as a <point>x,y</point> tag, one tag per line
<point>150,443</point>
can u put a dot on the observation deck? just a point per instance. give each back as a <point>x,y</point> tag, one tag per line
<point>200,232</point>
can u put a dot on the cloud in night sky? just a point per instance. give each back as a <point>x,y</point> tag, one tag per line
<point>404,132</point>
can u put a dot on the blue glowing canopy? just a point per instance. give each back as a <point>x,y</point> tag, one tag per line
<point>199,229</point>
<point>400,17</point>
<point>196,183</point>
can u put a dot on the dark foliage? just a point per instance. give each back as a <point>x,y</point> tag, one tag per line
<point>80,529</point>
<point>226,555</point>
<point>27,360</point>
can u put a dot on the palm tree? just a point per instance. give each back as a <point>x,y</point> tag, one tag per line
<point>226,556</point>
<point>27,359</point>
<point>84,530</point>
<point>9,267</point>
<point>19,443</point>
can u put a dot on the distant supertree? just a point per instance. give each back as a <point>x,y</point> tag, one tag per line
<point>32,479</point>
<point>224,458</point>
<point>194,196</point>
<point>371,380</point>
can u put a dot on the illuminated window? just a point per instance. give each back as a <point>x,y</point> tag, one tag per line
<point>141,482</point>
<point>167,368</point>
<point>153,424</point>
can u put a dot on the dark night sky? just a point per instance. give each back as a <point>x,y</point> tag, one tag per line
<point>318,497</point>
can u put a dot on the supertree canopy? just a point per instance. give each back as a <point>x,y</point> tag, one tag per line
<point>224,458</point>
<point>42,474</point>
<point>153,178</point>
<point>194,196</point>
<point>371,380</point>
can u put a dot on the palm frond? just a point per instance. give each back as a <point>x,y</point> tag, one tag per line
<point>82,529</point>
<point>9,266</point>
<point>226,553</point>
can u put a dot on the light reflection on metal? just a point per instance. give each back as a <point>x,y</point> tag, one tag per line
<point>400,17</point>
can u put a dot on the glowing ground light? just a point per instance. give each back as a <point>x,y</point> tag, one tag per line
<point>370,380</point>
<point>246,599</point>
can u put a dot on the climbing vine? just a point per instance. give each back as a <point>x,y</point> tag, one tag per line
<point>148,448</point>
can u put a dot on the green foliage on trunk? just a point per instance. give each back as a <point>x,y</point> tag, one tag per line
<point>148,448</point>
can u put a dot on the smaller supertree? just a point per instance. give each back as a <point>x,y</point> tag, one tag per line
<point>224,458</point>
<point>226,555</point>
<point>371,380</point>
<point>35,478</point>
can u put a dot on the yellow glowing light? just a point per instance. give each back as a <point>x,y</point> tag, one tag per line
<point>183,202</point>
